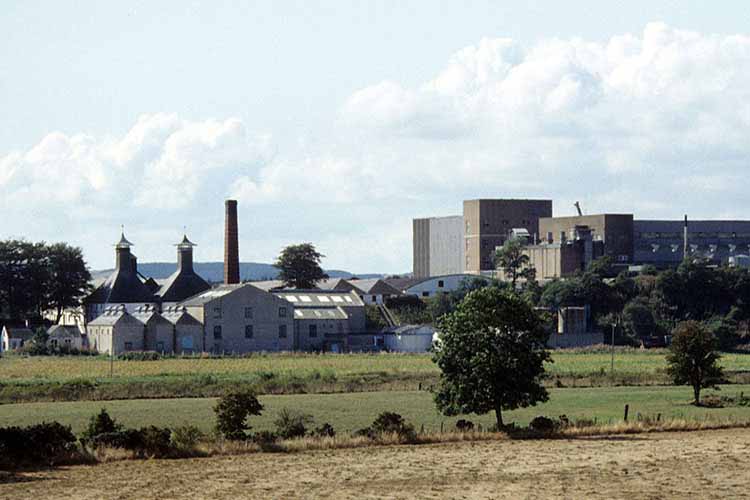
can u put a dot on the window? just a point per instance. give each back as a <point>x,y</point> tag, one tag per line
<point>160,346</point>
<point>441,284</point>
<point>313,330</point>
<point>128,346</point>
<point>282,331</point>
<point>217,312</point>
<point>282,312</point>
<point>248,313</point>
<point>425,294</point>
<point>217,331</point>
<point>248,331</point>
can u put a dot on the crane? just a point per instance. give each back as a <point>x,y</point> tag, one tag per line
<point>578,207</point>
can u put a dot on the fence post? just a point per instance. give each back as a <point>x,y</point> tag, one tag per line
<point>441,426</point>
<point>627,407</point>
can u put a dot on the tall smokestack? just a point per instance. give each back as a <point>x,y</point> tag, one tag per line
<point>231,245</point>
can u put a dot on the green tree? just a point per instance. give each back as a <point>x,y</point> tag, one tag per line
<point>68,280</point>
<point>491,355</point>
<point>513,262</point>
<point>693,359</point>
<point>232,411</point>
<point>299,266</point>
<point>638,319</point>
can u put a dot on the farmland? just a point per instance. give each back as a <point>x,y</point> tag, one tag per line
<point>710,464</point>
<point>351,411</point>
<point>75,378</point>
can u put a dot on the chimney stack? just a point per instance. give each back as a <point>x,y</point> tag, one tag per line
<point>231,245</point>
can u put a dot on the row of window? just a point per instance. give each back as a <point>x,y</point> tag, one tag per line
<point>249,332</point>
<point>249,312</point>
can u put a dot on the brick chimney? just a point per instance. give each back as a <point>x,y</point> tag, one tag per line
<point>231,245</point>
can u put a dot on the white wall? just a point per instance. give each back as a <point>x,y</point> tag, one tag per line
<point>431,286</point>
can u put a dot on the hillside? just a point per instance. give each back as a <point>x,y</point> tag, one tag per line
<point>214,271</point>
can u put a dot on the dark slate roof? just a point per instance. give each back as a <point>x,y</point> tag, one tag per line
<point>122,287</point>
<point>404,283</point>
<point>64,331</point>
<point>182,285</point>
<point>19,332</point>
<point>375,286</point>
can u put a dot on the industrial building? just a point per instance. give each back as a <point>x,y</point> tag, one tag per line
<point>466,243</point>
<point>560,246</point>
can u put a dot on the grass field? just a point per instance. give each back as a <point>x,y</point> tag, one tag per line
<point>573,363</point>
<point>706,464</point>
<point>351,411</point>
<point>28,379</point>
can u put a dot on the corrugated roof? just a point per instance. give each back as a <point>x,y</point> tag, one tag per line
<point>319,298</point>
<point>212,294</point>
<point>320,313</point>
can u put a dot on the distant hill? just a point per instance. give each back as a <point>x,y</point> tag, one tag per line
<point>214,271</point>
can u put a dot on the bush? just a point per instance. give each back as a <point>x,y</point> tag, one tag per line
<point>145,442</point>
<point>43,444</point>
<point>232,411</point>
<point>265,437</point>
<point>139,356</point>
<point>542,424</point>
<point>393,423</point>
<point>292,424</point>
<point>464,425</point>
<point>101,423</point>
<point>325,430</point>
<point>185,438</point>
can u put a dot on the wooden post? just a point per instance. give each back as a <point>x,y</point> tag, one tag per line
<point>627,407</point>
<point>441,426</point>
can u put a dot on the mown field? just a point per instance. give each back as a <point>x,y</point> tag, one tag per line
<point>351,411</point>
<point>707,464</point>
<point>88,378</point>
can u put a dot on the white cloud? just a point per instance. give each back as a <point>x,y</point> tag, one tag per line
<point>637,123</point>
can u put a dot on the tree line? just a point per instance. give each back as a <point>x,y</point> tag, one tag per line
<point>40,277</point>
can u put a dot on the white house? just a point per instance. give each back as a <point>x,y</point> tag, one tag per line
<point>13,338</point>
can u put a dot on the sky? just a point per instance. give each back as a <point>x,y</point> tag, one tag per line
<point>339,122</point>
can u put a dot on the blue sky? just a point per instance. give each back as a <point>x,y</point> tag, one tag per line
<point>337,122</point>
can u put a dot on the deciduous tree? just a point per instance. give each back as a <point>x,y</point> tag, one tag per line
<point>491,355</point>
<point>693,359</point>
<point>299,266</point>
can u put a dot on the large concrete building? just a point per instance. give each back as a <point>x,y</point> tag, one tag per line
<point>438,246</point>
<point>467,243</point>
<point>489,223</point>
<point>615,231</point>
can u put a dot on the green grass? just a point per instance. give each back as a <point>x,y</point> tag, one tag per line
<point>26,379</point>
<point>60,369</point>
<point>350,411</point>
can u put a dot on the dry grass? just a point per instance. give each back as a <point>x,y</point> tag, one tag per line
<point>703,464</point>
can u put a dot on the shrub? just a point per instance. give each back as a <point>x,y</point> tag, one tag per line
<point>393,423</point>
<point>464,425</point>
<point>185,438</point>
<point>325,430</point>
<point>42,444</point>
<point>232,411</point>
<point>542,424</point>
<point>149,441</point>
<point>265,437</point>
<point>139,356</point>
<point>101,423</point>
<point>292,424</point>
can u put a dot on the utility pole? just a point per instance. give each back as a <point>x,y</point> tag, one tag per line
<point>612,364</point>
<point>112,357</point>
